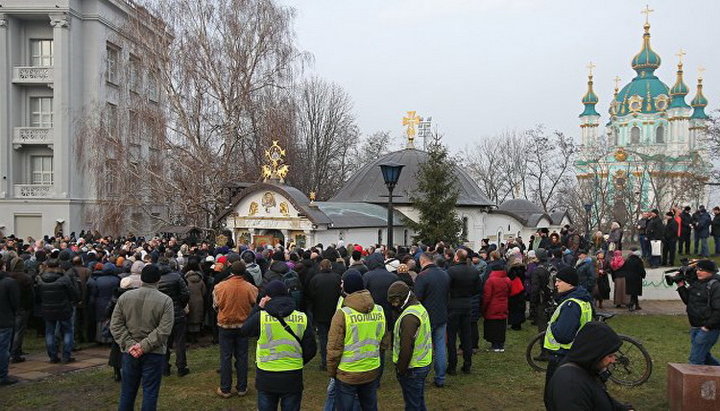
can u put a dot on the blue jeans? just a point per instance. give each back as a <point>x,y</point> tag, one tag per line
<point>413,388</point>
<point>232,344</point>
<point>146,369</point>
<point>268,401</point>
<point>704,250</point>
<point>6,336</point>
<point>440,352</point>
<point>644,246</point>
<point>330,401</point>
<point>65,328</point>
<point>701,342</point>
<point>346,395</point>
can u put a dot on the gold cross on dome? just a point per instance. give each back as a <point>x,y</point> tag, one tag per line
<point>681,54</point>
<point>701,70</point>
<point>411,120</point>
<point>646,11</point>
<point>617,82</point>
<point>590,67</point>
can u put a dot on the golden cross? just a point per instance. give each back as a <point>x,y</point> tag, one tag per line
<point>646,11</point>
<point>411,121</point>
<point>590,67</point>
<point>701,69</point>
<point>681,54</point>
<point>617,82</point>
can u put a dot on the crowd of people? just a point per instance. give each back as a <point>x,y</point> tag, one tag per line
<point>148,297</point>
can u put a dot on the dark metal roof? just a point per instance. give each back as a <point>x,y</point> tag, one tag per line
<point>367,185</point>
<point>351,215</point>
<point>527,212</point>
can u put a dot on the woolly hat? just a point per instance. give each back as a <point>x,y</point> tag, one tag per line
<point>275,288</point>
<point>398,289</point>
<point>150,274</point>
<point>706,265</point>
<point>568,275</point>
<point>137,267</point>
<point>541,254</point>
<point>353,282</point>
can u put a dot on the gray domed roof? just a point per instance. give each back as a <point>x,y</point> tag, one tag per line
<point>367,184</point>
<point>520,206</point>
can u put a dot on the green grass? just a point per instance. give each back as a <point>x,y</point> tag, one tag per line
<point>498,382</point>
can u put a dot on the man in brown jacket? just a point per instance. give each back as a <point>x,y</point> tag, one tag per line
<point>354,360</point>
<point>233,299</point>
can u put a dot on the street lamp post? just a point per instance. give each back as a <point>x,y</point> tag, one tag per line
<point>391,175</point>
<point>588,208</point>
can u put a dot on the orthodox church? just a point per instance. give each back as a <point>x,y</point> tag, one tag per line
<point>272,212</point>
<point>652,149</point>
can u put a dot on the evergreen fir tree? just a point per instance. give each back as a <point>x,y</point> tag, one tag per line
<point>435,198</point>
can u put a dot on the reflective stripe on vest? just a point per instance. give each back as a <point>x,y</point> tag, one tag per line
<point>363,333</point>
<point>340,302</point>
<point>422,347</point>
<point>586,315</point>
<point>277,349</point>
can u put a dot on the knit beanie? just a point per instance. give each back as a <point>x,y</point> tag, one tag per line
<point>398,289</point>
<point>150,274</point>
<point>275,288</point>
<point>353,282</point>
<point>568,275</point>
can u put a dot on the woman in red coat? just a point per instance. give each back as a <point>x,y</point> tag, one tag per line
<point>496,295</point>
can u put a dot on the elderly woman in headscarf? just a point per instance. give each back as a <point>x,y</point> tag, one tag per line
<point>618,276</point>
<point>615,237</point>
<point>601,291</point>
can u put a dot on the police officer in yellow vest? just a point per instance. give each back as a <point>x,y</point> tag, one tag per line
<point>357,333</point>
<point>412,344</point>
<point>285,344</point>
<point>574,310</point>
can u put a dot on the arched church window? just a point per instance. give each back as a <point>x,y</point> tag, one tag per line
<point>660,135</point>
<point>635,135</point>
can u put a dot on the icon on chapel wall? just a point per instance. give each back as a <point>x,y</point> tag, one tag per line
<point>284,209</point>
<point>253,208</point>
<point>620,155</point>
<point>276,169</point>
<point>268,201</point>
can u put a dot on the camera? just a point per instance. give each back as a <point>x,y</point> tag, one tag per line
<point>685,273</point>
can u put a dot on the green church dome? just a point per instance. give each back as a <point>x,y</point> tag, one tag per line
<point>679,90</point>
<point>590,99</point>
<point>646,59</point>
<point>699,102</point>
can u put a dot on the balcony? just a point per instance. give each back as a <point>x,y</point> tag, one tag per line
<point>33,75</point>
<point>32,135</point>
<point>34,191</point>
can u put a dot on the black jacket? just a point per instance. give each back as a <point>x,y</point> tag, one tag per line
<point>9,300</point>
<point>655,229</point>
<point>703,302</point>
<point>686,221</point>
<point>322,294</point>
<point>378,281</point>
<point>57,294</point>
<point>576,384</point>
<point>432,286</point>
<point>716,225</point>
<point>280,382</point>
<point>671,229</point>
<point>174,286</point>
<point>464,283</point>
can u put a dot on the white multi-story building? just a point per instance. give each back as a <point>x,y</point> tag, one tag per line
<point>62,62</point>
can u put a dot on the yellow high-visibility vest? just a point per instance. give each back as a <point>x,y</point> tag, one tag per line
<point>363,333</point>
<point>277,349</point>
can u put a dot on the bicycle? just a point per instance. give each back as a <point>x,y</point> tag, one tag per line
<point>633,364</point>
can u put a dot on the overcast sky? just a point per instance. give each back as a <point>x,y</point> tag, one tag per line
<point>484,66</point>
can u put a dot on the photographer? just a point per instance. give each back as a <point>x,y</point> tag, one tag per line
<point>702,298</point>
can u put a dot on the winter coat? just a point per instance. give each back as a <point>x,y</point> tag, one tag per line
<point>567,323</point>
<point>654,229</point>
<point>703,224</point>
<point>432,286</point>
<point>586,273</point>
<point>173,285</point>
<point>280,382</point>
<point>101,287</point>
<point>615,237</point>
<point>197,289</point>
<point>634,271</point>
<point>671,230</point>
<point>587,391</point>
<point>464,283</point>
<point>276,272</point>
<point>716,225</point>
<point>496,294</point>
<point>25,283</point>
<point>360,301</point>
<point>323,293</point>
<point>233,300</point>
<point>9,300</point>
<point>377,280</point>
<point>57,295</point>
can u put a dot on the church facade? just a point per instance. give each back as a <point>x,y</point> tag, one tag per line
<point>651,154</point>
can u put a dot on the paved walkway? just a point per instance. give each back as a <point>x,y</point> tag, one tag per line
<point>37,366</point>
<point>649,307</point>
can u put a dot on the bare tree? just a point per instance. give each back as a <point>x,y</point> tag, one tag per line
<point>549,162</point>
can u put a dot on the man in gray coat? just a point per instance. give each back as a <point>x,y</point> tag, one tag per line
<point>141,325</point>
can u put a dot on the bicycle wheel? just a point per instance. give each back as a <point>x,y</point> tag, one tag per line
<point>534,353</point>
<point>633,365</point>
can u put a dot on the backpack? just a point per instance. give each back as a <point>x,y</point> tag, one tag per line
<point>291,279</point>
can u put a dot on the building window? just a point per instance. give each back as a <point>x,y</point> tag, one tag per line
<point>41,53</point>
<point>465,228</point>
<point>41,170</point>
<point>111,119</point>
<point>109,176</point>
<point>112,59</point>
<point>635,135</point>
<point>135,75</point>
<point>380,237</point>
<point>660,135</point>
<point>153,90</point>
<point>41,112</point>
